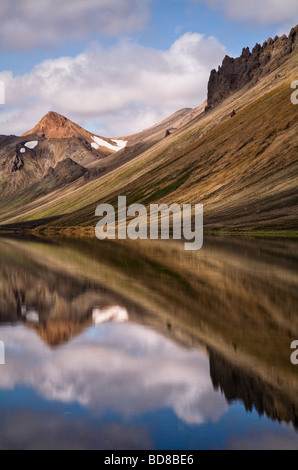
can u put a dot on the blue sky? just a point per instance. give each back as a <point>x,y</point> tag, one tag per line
<point>170,18</point>
<point>118,66</point>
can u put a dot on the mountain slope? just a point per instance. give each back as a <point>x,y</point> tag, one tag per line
<point>167,127</point>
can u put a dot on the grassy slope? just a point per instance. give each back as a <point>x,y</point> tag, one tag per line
<point>243,169</point>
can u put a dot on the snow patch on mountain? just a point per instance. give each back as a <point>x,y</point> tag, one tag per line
<point>119,144</point>
<point>31,145</point>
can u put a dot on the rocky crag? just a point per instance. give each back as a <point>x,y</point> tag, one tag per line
<point>234,74</point>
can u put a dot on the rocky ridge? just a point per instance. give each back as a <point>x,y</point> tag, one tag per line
<point>234,74</point>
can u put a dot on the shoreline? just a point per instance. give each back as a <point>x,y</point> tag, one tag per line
<point>89,232</point>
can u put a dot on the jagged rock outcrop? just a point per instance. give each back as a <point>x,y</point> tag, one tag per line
<point>234,74</point>
<point>17,163</point>
<point>239,384</point>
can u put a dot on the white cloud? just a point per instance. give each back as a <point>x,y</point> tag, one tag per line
<point>114,367</point>
<point>30,24</point>
<point>258,11</point>
<point>123,89</point>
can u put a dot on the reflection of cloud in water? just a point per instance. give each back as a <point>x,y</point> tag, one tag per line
<point>123,367</point>
<point>116,314</point>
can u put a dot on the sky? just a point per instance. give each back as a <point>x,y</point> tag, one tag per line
<point>119,66</point>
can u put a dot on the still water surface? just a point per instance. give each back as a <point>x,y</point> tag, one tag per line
<point>144,346</point>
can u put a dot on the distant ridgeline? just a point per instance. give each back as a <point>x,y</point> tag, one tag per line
<point>249,67</point>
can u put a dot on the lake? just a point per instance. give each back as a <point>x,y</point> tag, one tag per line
<point>142,345</point>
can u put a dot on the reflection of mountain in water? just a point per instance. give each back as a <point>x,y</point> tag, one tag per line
<point>62,306</point>
<point>231,298</point>
<point>239,384</point>
<point>58,306</point>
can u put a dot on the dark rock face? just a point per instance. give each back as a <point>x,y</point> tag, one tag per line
<point>65,172</point>
<point>17,164</point>
<point>170,131</point>
<point>234,74</point>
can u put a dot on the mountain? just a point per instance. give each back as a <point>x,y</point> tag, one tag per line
<point>27,159</point>
<point>239,159</point>
<point>28,162</point>
<point>234,74</point>
<point>167,127</point>
<point>55,126</point>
